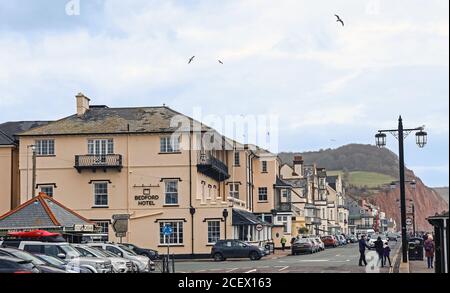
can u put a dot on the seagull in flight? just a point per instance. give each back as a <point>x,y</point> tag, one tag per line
<point>190,59</point>
<point>220,61</point>
<point>339,19</point>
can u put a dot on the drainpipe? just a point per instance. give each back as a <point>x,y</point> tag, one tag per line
<point>191,208</point>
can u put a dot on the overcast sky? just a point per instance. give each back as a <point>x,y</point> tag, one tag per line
<point>330,85</point>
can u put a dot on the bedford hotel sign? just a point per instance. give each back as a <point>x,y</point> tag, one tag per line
<point>146,199</point>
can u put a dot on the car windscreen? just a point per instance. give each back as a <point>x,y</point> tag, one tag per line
<point>51,260</point>
<point>127,249</point>
<point>302,240</point>
<point>28,257</point>
<point>99,252</point>
<point>70,250</point>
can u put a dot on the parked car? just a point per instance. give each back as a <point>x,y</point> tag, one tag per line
<point>15,265</point>
<point>371,242</point>
<point>303,245</point>
<point>224,249</point>
<point>120,264</point>
<point>319,244</point>
<point>59,263</point>
<point>150,253</point>
<point>64,251</point>
<point>392,237</point>
<point>41,265</point>
<point>353,238</point>
<point>341,239</point>
<point>144,264</point>
<point>329,241</point>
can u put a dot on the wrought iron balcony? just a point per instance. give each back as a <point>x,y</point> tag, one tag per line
<point>289,207</point>
<point>313,220</point>
<point>98,162</point>
<point>212,167</point>
<point>364,227</point>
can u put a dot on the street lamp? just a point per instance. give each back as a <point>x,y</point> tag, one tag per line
<point>380,139</point>
<point>421,139</point>
<point>225,216</point>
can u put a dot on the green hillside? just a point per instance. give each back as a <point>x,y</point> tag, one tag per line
<point>364,178</point>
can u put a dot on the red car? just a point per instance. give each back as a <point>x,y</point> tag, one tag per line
<point>329,241</point>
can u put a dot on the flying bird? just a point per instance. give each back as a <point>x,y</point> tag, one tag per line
<point>220,61</point>
<point>339,19</point>
<point>190,59</point>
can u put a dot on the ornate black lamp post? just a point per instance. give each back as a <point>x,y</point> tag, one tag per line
<point>421,139</point>
<point>225,216</point>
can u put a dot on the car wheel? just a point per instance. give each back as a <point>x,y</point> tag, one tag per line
<point>218,257</point>
<point>254,255</point>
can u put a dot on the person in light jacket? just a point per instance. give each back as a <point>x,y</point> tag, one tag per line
<point>429,251</point>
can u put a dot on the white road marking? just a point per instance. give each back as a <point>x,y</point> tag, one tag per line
<point>251,271</point>
<point>283,268</point>
<point>338,255</point>
<point>233,269</point>
<point>313,260</point>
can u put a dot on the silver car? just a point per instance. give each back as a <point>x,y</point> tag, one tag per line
<point>119,264</point>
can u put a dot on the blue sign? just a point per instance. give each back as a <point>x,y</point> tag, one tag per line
<point>167,230</point>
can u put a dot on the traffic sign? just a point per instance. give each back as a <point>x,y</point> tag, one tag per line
<point>119,235</point>
<point>120,226</point>
<point>259,227</point>
<point>120,217</point>
<point>167,230</point>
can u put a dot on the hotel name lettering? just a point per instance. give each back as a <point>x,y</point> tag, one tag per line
<point>146,200</point>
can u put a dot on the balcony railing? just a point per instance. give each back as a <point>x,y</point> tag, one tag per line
<point>313,221</point>
<point>364,227</point>
<point>95,162</point>
<point>212,167</point>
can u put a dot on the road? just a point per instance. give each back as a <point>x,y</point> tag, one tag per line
<point>331,260</point>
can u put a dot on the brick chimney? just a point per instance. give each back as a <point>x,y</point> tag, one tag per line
<point>298,165</point>
<point>82,104</point>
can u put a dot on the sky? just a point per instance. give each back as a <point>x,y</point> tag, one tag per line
<point>328,85</point>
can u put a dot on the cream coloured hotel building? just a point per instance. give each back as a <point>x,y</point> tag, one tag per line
<point>152,164</point>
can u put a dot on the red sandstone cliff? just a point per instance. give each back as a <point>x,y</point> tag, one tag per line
<point>426,200</point>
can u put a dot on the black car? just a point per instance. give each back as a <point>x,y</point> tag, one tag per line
<point>15,265</point>
<point>42,266</point>
<point>150,253</point>
<point>224,249</point>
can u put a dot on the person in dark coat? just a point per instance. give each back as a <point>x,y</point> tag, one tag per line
<point>362,251</point>
<point>380,250</point>
<point>387,254</point>
<point>429,251</point>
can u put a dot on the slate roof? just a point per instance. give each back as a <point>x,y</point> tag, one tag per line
<point>297,182</point>
<point>281,183</point>
<point>104,120</point>
<point>9,130</point>
<point>241,217</point>
<point>40,212</point>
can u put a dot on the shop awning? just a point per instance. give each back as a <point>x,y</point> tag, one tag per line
<point>241,217</point>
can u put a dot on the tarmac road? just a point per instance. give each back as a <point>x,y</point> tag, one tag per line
<point>332,260</point>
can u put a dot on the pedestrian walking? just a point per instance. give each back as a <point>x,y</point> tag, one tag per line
<point>429,251</point>
<point>283,243</point>
<point>387,254</point>
<point>362,251</point>
<point>380,250</point>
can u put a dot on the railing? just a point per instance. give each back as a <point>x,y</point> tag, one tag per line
<point>212,167</point>
<point>237,202</point>
<point>98,162</point>
<point>364,227</point>
<point>313,221</point>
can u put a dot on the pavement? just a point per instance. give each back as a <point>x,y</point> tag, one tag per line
<point>419,267</point>
<point>342,259</point>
